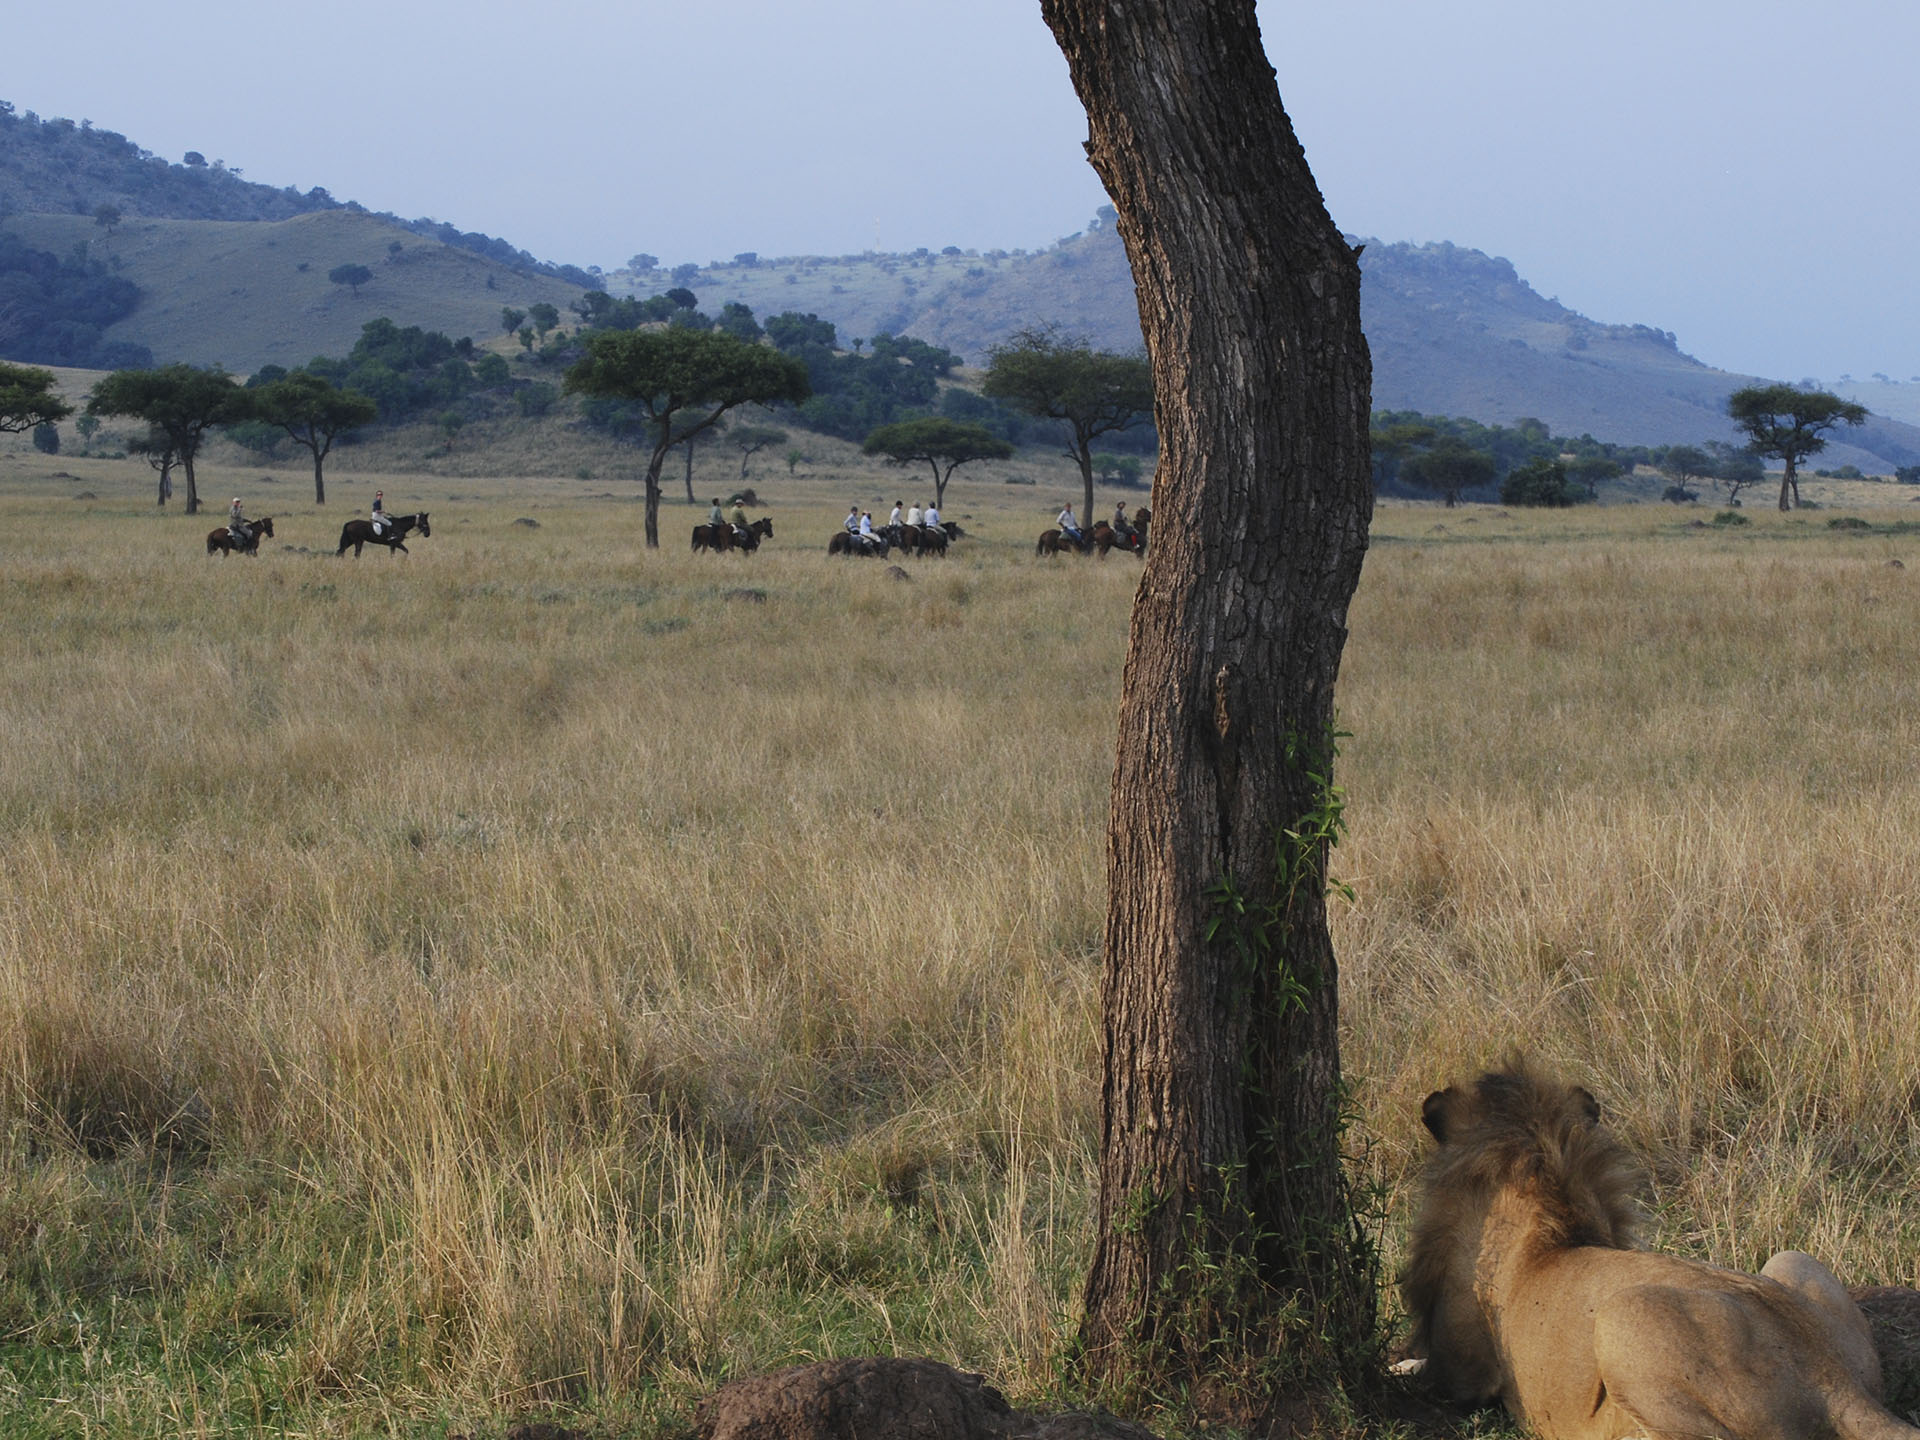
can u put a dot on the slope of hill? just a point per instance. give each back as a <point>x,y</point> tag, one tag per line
<point>1453,332</point>
<point>248,293</point>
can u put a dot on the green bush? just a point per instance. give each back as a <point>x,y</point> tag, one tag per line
<point>1540,483</point>
<point>1731,517</point>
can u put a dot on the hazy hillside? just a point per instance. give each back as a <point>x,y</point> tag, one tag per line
<point>235,272</point>
<point>1453,332</point>
<point>245,294</point>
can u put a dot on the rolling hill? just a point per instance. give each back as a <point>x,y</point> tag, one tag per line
<point>235,272</point>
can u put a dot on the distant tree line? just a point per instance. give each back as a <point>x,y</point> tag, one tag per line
<point>54,311</point>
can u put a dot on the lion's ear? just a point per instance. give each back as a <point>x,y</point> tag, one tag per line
<point>1589,1106</point>
<point>1436,1112</point>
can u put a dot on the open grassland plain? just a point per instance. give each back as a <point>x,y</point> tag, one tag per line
<point>537,977</point>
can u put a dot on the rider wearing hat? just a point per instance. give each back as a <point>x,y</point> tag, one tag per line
<point>237,529</point>
<point>379,514</point>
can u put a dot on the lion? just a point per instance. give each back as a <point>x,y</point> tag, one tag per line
<point>1524,1285</point>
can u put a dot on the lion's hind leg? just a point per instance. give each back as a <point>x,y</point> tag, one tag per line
<point>1682,1363</point>
<point>1846,1327</point>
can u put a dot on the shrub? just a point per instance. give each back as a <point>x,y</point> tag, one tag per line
<point>1540,482</point>
<point>46,438</point>
<point>1731,517</point>
<point>1680,495</point>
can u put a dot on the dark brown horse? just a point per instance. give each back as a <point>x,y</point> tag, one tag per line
<point>1052,542</point>
<point>1133,537</point>
<point>359,533</point>
<point>845,542</point>
<point>722,537</point>
<point>222,539</point>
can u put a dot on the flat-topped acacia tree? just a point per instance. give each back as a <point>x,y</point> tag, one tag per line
<point>944,444</point>
<point>181,402</point>
<point>313,411</point>
<point>28,399</point>
<point>1226,1259</point>
<point>683,381</point>
<point>1788,424</point>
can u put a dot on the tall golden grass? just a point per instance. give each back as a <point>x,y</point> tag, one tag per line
<point>535,974</point>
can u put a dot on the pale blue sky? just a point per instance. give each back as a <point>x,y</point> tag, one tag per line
<point>1739,173</point>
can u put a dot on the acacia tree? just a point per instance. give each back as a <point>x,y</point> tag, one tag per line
<point>182,402</point>
<point>1450,468</point>
<point>752,439</point>
<point>1224,1239</point>
<point>944,444</point>
<point>683,381</point>
<point>1092,392</point>
<point>28,399</point>
<point>313,410</point>
<point>1785,424</point>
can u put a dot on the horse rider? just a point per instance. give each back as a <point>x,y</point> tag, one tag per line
<point>913,513</point>
<point>378,515</point>
<point>932,518</point>
<point>852,522</point>
<point>1069,526</point>
<point>238,531</point>
<point>893,520</point>
<point>716,518</point>
<point>865,532</point>
<point>737,517</point>
<point>1121,527</point>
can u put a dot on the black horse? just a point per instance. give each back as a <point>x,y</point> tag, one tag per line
<point>359,533</point>
<point>845,542</point>
<point>222,540</point>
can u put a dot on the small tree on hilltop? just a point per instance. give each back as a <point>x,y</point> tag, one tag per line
<point>1092,392</point>
<point>181,401</point>
<point>1785,424</point>
<point>313,410</point>
<point>27,399</point>
<point>683,381</point>
<point>352,276</point>
<point>943,444</point>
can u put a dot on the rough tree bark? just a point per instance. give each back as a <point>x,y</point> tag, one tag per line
<point>1226,1255</point>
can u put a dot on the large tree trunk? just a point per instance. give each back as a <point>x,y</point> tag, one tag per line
<point>319,480</point>
<point>1083,457</point>
<point>193,489</point>
<point>1226,1251</point>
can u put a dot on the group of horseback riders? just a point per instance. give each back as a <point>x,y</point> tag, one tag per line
<point>736,519</point>
<point>867,536</point>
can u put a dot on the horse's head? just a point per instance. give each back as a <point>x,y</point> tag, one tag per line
<point>425,529</point>
<point>763,527</point>
<point>1535,1149</point>
<point>266,525</point>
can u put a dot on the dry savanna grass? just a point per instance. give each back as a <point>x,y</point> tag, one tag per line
<point>537,976</point>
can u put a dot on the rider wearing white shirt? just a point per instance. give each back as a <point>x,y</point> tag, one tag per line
<point>866,528</point>
<point>852,522</point>
<point>932,520</point>
<point>1068,525</point>
<point>894,519</point>
<point>913,513</point>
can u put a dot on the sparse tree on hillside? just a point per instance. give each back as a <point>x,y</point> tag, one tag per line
<point>181,401</point>
<point>683,381</point>
<point>28,399</point>
<point>643,263</point>
<point>1226,1261</point>
<point>510,318</point>
<point>107,217</point>
<point>544,317</point>
<point>88,426</point>
<point>943,444</point>
<point>1684,464</point>
<point>352,276</point>
<point>312,411</point>
<point>1786,424</point>
<point>750,440</point>
<point>1092,392</point>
